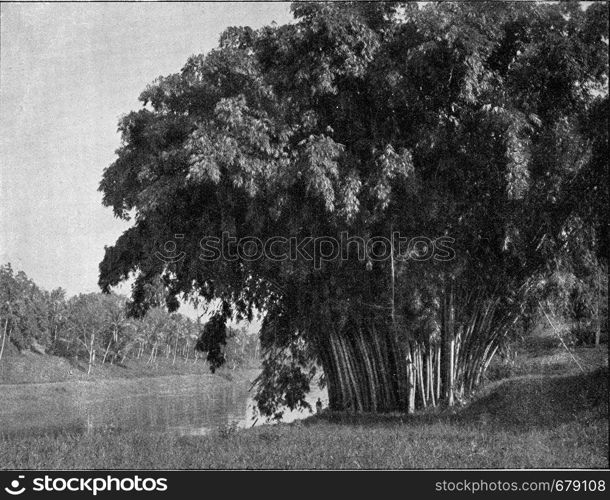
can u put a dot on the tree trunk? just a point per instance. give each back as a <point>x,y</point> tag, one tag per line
<point>361,366</point>
<point>91,353</point>
<point>370,368</point>
<point>3,338</point>
<point>447,344</point>
<point>411,382</point>
<point>151,357</point>
<point>106,352</point>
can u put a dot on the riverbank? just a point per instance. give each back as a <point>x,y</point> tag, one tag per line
<point>82,405</point>
<point>533,422</point>
<point>43,394</point>
<point>28,367</point>
<point>547,413</point>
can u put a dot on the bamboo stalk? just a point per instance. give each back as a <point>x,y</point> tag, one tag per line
<point>343,386</point>
<point>397,351</point>
<point>421,377</point>
<point>387,392</point>
<point>351,372</point>
<point>411,387</point>
<point>428,381</point>
<point>356,359</point>
<point>431,372</point>
<point>369,370</point>
<point>438,372</point>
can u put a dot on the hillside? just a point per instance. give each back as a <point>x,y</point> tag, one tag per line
<point>28,367</point>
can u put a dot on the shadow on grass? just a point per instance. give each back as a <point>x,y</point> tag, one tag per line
<point>515,404</point>
<point>530,402</point>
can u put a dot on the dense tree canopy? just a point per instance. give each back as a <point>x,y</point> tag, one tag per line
<point>484,123</point>
<point>95,328</point>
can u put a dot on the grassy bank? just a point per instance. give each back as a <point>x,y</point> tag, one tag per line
<point>527,422</point>
<point>519,425</point>
<point>539,410</point>
<point>43,393</point>
<point>32,368</point>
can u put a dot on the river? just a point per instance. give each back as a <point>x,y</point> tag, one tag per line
<point>189,404</point>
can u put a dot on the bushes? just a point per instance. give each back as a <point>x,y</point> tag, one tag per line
<point>577,295</point>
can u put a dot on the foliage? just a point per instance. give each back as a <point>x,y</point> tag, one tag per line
<point>242,348</point>
<point>480,122</point>
<point>91,326</point>
<point>29,315</point>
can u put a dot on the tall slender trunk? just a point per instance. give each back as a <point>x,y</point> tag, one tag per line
<point>438,372</point>
<point>359,363</point>
<point>151,357</point>
<point>3,337</point>
<point>106,351</point>
<point>447,343</point>
<point>91,353</point>
<point>451,373</point>
<point>369,368</point>
<point>403,364</point>
<point>411,382</point>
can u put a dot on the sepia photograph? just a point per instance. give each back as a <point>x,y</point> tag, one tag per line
<point>303,236</point>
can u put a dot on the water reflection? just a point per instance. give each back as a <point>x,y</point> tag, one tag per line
<point>185,405</point>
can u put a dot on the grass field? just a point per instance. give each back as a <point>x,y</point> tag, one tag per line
<point>547,413</point>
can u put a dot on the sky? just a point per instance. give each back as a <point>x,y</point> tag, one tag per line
<point>68,72</point>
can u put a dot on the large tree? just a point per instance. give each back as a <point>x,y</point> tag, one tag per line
<point>464,121</point>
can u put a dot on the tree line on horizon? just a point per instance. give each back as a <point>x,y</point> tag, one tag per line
<point>96,328</point>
